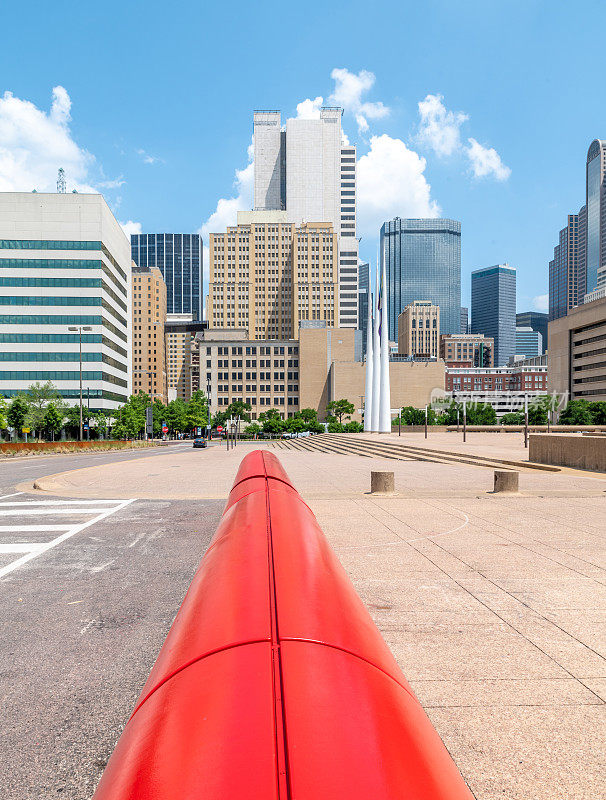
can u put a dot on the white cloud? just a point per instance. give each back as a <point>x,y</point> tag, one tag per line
<point>391,182</point>
<point>147,159</point>
<point>131,227</point>
<point>439,128</point>
<point>486,162</point>
<point>348,92</point>
<point>310,109</point>
<point>541,302</point>
<point>34,144</point>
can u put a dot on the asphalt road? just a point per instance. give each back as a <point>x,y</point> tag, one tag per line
<point>81,624</point>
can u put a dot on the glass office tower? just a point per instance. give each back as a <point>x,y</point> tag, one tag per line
<point>537,321</point>
<point>493,308</point>
<point>595,268</point>
<point>363,295</point>
<point>179,258</point>
<point>423,262</point>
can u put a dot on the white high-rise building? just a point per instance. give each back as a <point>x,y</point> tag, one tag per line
<point>65,272</point>
<point>309,172</point>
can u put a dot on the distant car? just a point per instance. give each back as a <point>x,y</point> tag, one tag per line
<point>200,442</point>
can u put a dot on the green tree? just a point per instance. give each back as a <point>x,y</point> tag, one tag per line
<point>53,419</point>
<point>271,421</point>
<point>101,424</point>
<point>238,408</point>
<point>3,409</point>
<point>577,412</point>
<point>37,397</point>
<point>340,409</point>
<point>353,427</point>
<point>17,411</point>
<point>513,418</point>
<point>598,412</point>
<point>481,414</point>
<point>197,411</point>
<point>416,416</point>
<point>310,418</point>
<point>537,410</point>
<point>252,430</point>
<point>334,426</point>
<point>295,424</point>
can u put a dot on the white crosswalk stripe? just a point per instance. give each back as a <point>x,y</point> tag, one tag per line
<point>23,512</point>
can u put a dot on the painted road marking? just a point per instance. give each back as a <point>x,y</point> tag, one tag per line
<point>20,547</point>
<point>30,512</point>
<point>14,494</point>
<point>15,528</point>
<point>31,503</point>
<point>43,547</point>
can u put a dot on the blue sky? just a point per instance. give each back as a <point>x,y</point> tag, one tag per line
<point>155,100</point>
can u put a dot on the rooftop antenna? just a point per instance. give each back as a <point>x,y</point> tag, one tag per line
<point>61,185</point>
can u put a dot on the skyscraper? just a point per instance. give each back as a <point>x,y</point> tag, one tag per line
<point>268,274</point>
<point>595,266</point>
<point>178,256</point>
<point>493,308</point>
<point>564,272</point>
<point>423,260</point>
<point>537,321</point>
<point>307,171</point>
<point>464,319</point>
<point>363,298</point>
<point>529,343</point>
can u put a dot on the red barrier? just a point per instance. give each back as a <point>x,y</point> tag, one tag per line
<point>274,682</point>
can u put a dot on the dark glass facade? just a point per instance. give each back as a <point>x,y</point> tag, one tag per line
<point>493,308</point>
<point>423,262</point>
<point>363,293</point>
<point>464,319</point>
<point>535,320</point>
<point>178,256</point>
<point>566,269</point>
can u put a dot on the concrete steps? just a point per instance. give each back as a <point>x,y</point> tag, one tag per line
<point>348,444</point>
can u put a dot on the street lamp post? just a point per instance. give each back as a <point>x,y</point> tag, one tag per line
<point>209,424</point>
<point>80,328</point>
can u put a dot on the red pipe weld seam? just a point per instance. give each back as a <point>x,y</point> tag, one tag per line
<point>274,682</point>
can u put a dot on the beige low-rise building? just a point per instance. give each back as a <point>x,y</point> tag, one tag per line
<point>149,316</point>
<point>264,373</point>
<point>419,330</point>
<point>577,352</point>
<point>331,369</point>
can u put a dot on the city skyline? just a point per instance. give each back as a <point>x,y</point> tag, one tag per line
<point>512,192</point>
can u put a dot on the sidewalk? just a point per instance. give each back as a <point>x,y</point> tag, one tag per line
<point>494,606</point>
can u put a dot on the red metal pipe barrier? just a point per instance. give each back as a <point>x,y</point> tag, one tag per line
<point>273,682</point>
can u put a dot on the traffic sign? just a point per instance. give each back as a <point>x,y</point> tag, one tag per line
<point>85,426</point>
<point>26,430</point>
<point>165,429</point>
<point>219,428</point>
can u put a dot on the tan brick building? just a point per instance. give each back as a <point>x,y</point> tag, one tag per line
<point>149,316</point>
<point>467,350</point>
<point>576,353</point>
<point>264,373</point>
<point>266,275</point>
<point>419,330</point>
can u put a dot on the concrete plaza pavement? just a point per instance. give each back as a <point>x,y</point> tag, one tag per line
<point>493,605</point>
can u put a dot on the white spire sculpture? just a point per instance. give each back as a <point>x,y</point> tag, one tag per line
<point>369,364</point>
<point>376,360</point>
<point>377,397</point>
<point>385,393</point>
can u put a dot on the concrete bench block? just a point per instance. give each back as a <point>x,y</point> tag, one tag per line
<point>506,480</point>
<point>382,482</point>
